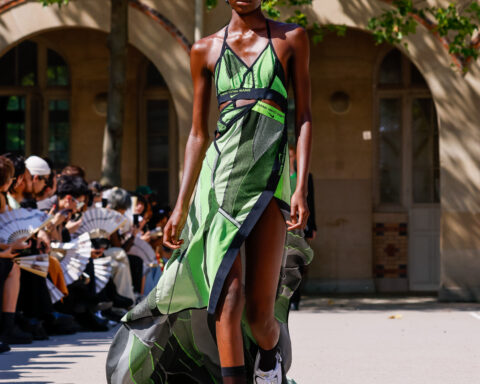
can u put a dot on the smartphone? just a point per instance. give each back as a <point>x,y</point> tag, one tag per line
<point>104,203</point>
<point>135,219</point>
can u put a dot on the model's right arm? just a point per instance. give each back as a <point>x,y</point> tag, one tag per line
<point>196,144</point>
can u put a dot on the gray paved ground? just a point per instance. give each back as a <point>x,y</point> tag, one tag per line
<point>335,341</point>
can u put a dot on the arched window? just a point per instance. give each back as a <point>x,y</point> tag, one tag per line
<point>158,158</point>
<point>408,158</point>
<point>35,102</point>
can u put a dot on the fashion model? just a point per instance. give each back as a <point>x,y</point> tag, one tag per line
<point>218,314</point>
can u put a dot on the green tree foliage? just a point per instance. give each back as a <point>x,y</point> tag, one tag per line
<point>50,2</point>
<point>456,25</point>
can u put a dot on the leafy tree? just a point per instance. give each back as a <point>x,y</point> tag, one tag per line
<point>117,45</point>
<point>457,24</point>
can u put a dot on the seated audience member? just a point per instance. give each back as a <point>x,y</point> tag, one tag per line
<point>40,172</point>
<point>21,187</point>
<point>72,193</point>
<point>46,198</point>
<point>119,200</point>
<point>10,333</point>
<point>95,194</point>
<point>9,272</point>
<point>156,225</point>
<point>73,170</point>
<point>7,172</point>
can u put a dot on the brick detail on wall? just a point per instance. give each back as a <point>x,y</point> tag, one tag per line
<point>390,249</point>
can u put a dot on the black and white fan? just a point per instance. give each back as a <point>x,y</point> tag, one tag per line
<point>145,251</point>
<point>101,221</point>
<point>75,256</point>
<point>103,271</point>
<point>55,293</point>
<point>37,264</point>
<point>21,223</point>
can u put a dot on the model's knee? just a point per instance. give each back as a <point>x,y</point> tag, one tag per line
<point>233,302</point>
<point>259,319</point>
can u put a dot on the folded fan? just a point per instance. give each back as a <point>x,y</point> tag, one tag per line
<point>21,223</point>
<point>101,220</point>
<point>103,271</point>
<point>75,256</point>
<point>143,250</point>
<point>37,264</point>
<point>55,293</point>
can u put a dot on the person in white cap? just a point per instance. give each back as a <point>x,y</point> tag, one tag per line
<point>40,171</point>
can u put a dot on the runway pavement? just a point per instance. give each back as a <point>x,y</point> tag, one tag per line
<point>335,341</point>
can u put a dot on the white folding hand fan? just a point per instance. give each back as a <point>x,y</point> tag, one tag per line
<point>37,264</point>
<point>103,271</point>
<point>21,223</point>
<point>103,220</point>
<point>75,256</point>
<point>55,293</point>
<point>143,250</point>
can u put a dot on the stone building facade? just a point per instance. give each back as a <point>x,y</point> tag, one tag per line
<point>395,160</point>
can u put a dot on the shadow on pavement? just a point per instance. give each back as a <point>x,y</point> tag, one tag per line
<point>26,362</point>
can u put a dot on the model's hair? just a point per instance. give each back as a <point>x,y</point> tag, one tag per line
<point>73,170</point>
<point>119,199</point>
<point>71,185</point>
<point>7,171</point>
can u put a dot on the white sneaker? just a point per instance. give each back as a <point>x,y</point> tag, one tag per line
<point>270,377</point>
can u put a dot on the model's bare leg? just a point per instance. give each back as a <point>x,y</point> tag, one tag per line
<point>264,250</point>
<point>229,334</point>
<point>11,290</point>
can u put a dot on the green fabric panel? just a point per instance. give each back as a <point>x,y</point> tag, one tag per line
<point>282,305</point>
<point>231,72</point>
<point>278,86</point>
<point>267,134</point>
<point>285,189</point>
<point>269,111</point>
<point>242,162</point>
<point>255,177</point>
<point>219,238</point>
<point>177,284</point>
<point>263,68</point>
<point>140,362</point>
<point>293,181</point>
<point>248,80</point>
<point>228,145</point>
<point>182,331</point>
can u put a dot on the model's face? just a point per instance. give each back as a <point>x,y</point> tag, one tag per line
<point>245,6</point>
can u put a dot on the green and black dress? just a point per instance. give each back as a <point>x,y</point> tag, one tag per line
<point>170,336</point>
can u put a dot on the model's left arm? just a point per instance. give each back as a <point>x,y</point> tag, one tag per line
<point>303,125</point>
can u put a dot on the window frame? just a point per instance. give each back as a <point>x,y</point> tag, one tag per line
<point>43,93</point>
<point>146,94</point>
<point>406,92</point>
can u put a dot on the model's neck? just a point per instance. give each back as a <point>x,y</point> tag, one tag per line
<point>248,21</point>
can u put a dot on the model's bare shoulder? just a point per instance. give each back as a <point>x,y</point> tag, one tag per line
<point>285,30</point>
<point>208,49</point>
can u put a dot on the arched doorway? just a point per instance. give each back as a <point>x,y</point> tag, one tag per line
<point>55,105</point>
<point>158,132</point>
<point>35,102</point>
<point>406,187</point>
